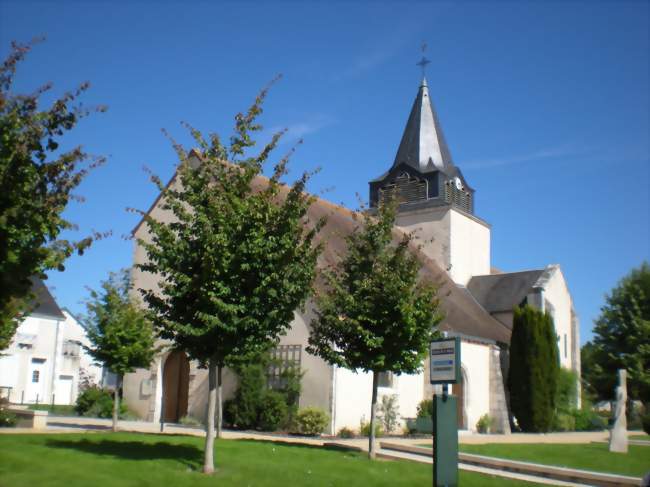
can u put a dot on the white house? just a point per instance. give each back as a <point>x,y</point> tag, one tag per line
<point>437,203</point>
<point>45,358</point>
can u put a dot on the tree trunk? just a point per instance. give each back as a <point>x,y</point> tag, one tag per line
<point>116,401</point>
<point>208,460</point>
<point>373,417</point>
<point>219,402</point>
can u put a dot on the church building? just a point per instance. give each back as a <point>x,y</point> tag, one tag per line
<point>437,203</point>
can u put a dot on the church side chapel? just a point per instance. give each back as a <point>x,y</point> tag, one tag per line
<point>436,202</point>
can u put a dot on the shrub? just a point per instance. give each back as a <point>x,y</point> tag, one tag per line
<point>425,408</point>
<point>7,419</point>
<point>346,433</point>
<point>255,406</point>
<point>364,429</point>
<point>645,421</point>
<point>634,416</point>
<point>190,421</point>
<point>97,403</point>
<point>564,422</point>
<point>312,421</point>
<point>388,412</point>
<point>587,419</point>
<point>243,410</point>
<point>566,395</point>
<point>292,386</point>
<point>273,412</point>
<point>483,424</point>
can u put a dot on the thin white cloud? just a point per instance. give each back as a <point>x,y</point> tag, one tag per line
<point>367,62</point>
<point>298,130</point>
<point>539,155</point>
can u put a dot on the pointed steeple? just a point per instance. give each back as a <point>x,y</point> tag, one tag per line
<point>423,144</point>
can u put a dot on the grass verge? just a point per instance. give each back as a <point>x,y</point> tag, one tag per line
<point>591,456</point>
<point>128,459</point>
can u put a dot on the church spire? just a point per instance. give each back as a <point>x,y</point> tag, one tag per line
<point>423,173</point>
<point>423,144</point>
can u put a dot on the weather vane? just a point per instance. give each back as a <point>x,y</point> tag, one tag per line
<point>424,61</point>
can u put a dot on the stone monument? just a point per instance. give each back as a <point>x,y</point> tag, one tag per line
<point>618,432</point>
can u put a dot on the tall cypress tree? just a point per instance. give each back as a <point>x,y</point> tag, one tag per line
<point>534,369</point>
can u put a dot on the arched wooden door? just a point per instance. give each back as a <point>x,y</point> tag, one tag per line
<point>458,390</point>
<point>176,382</point>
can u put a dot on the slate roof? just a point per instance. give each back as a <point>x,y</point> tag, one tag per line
<point>502,292</point>
<point>423,145</point>
<point>43,303</point>
<point>463,314</point>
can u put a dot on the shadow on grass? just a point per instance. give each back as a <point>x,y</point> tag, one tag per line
<point>187,455</point>
<point>79,426</point>
<point>304,446</point>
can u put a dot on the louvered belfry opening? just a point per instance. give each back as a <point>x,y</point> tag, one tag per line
<point>458,197</point>
<point>407,189</point>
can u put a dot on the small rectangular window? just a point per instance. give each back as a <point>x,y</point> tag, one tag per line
<point>71,348</point>
<point>35,375</point>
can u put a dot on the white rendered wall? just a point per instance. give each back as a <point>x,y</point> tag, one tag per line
<point>557,294</point>
<point>458,242</point>
<point>475,360</point>
<point>353,393</point>
<point>469,247</point>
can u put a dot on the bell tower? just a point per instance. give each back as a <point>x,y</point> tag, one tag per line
<point>434,198</point>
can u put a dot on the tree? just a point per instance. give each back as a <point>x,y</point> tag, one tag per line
<point>236,261</point>
<point>37,181</point>
<point>534,369</point>
<point>122,337</point>
<point>375,315</point>
<point>622,339</point>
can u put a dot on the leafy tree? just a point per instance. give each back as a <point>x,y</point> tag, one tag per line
<point>534,369</point>
<point>238,258</point>
<point>375,315</point>
<point>37,181</point>
<point>122,337</point>
<point>622,339</point>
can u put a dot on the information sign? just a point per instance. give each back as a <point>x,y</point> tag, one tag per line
<point>445,361</point>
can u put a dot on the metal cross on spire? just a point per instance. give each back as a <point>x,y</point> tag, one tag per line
<point>424,61</point>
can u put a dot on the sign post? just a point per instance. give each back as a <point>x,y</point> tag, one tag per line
<point>444,355</point>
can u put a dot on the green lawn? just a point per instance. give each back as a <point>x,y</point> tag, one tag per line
<point>125,459</point>
<point>640,437</point>
<point>590,456</point>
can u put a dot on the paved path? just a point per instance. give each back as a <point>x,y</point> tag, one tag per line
<point>80,423</point>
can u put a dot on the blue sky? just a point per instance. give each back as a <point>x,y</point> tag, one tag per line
<point>545,107</point>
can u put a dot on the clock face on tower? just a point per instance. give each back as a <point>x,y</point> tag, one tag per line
<point>458,183</point>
